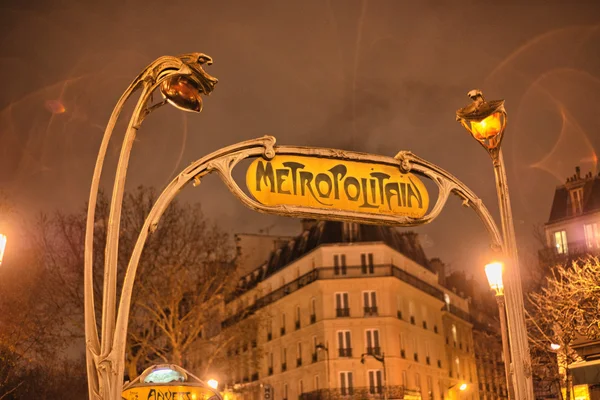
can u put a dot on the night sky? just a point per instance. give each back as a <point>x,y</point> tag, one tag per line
<point>374,76</point>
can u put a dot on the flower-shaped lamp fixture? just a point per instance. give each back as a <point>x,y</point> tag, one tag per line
<point>183,88</point>
<point>485,121</point>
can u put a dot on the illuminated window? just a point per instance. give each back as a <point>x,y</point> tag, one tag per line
<point>560,241</point>
<point>577,200</point>
<point>592,236</point>
<point>454,334</point>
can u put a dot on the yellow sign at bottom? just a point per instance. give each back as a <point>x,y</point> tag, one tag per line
<point>168,392</point>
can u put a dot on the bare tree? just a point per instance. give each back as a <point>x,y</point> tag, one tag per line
<point>186,270</point>
<point>567,306</point>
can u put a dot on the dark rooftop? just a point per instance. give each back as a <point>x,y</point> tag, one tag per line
<point>563,207</point>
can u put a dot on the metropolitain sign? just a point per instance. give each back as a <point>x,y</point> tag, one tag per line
<point>328,183</point>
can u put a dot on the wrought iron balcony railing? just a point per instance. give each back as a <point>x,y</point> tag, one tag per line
<point>342,312</point>
<point>368,392</point>
<point>374,351</point>
<point>329,273</point>
<point>370,311</point>
<point>345,352</point>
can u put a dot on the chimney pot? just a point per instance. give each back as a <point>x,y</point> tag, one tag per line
<point>578,172</point>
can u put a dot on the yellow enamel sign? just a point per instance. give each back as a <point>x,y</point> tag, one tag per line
<point>168,392</point>
<point>335,184</point>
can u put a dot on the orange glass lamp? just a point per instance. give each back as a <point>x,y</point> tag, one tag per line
<point>183,91</point>
<point>494,271</point>
<point>485,121</point>
<point>3,240</point>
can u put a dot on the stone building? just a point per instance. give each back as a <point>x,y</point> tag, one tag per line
<point>572,233</point>
<point>353,311</point>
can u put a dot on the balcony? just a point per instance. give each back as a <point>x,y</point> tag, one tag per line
<point>370,311</point>
<point>282,331</point>
<point>374,351</point>
<point>550,256</point>
<point>313,318</point>
<point>269,336</point>
<point>424,324</point>
<point>345,352</point>
<point>412,320</point>
<point>254,377</point>
<point>298,362</point>
<point>367,392</point>
<point>297,325</point>
<point>402,353</point>
<point>270,371</point>
<point>416,357</point>
<point>314,357</point>
<point>283,367</point>
<point>427,360</point>
<point>399,314</point>
<point>342,312</point>
<point>326,274</point>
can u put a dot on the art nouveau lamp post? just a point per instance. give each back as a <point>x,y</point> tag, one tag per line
<point>181,81</point>
<point>486,122</point>
<point>493,272</point>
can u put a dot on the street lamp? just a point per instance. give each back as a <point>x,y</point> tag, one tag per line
<point>213,383</point>
<point>3,240</point>
<point>181,81</point>
<point>493,271</point>
<point>486,122</point>
<point>321,346</point>
<point>381,359</point>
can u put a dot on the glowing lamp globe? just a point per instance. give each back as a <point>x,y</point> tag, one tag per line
<point>485,121</point>
<point>493,271</point>
<point>182,92</point>
<point>463,387</point>
<point>213,383</point>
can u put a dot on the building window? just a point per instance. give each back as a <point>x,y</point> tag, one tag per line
<point>313,310</point>
<point>300,387</point>
<point>418,382</point>
<point>560,241</point>
<point>316,380</point>
<point>430,387</point>
<point>346,383</point>
<point>375,382</point>
<point>282,329</point>
<point>269,330</point>
<point>411,311</point>
<point>372,336</point>
<point>341,305</point>
<point>344,343</point>
<point>402,345</point>
<point>297,317</point>
<point>285,391</point>
<point>339,264</point>
<point>454,334</point>
<point>577,200</point>
<point>457,362</point>
<point>370,302</point>
<point>592,235</point>
<point>404,378</point>
<point>299,354</point>
<point>366,263</point>
<point>283,360</point>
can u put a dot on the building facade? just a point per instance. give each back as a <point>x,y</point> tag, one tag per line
<point>572,233</point>
<point>354,310</point>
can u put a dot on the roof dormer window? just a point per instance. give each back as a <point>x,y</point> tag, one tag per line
<point>577,200</point>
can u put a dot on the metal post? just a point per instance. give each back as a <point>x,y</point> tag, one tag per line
<point>385,389</point>
<point>521,361</point>
<point>505,347</point>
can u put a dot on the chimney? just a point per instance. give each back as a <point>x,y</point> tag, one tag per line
<point>307,223</point>
<point>578,172</point>
<point>440,268</point>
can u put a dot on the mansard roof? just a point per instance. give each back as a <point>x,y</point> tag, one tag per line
<point>562,207</point>
<point>334,232</point>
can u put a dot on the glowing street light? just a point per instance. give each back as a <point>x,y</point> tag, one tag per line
<point>493,271</point>
<point>555,346</point>
<point>3,240</point>
<point>486,122</point>
<point>213,383</point>
<point>462,387</point>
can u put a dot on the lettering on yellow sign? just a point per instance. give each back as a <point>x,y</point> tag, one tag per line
<point>330,183</point>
